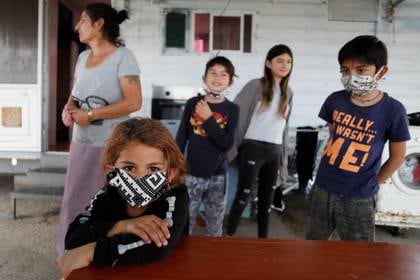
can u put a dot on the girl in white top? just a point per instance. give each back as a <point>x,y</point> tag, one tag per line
<point>267,117</point>
<point>261,140</point>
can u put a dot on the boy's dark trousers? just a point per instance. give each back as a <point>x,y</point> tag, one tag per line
<point>260,159</point>
<point>353,218</point>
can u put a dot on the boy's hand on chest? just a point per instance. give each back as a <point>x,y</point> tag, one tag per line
<point>203,110</point>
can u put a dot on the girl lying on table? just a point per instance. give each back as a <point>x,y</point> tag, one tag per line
<point>141,213</point>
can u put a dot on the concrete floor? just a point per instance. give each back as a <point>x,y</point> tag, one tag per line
<point>27,243</point>
<point>292,225</point>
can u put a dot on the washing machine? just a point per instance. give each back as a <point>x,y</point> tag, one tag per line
<point>398,200</point>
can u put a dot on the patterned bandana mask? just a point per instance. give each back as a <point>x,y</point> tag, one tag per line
<point>360,85</point>
<point>138,192</point>
<point>216,95</point>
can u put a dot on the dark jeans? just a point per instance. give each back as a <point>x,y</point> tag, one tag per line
<point>262,160</point>
<point>353,218</point>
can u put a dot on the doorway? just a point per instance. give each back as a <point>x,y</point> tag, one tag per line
<point>64,74</point>
<point>64,48</point>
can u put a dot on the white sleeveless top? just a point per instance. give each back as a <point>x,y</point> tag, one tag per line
<point>266,124</point>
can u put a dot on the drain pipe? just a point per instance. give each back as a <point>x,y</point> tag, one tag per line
<point>390,15</point>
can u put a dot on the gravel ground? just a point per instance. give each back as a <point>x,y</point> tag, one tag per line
<point>27,243</point>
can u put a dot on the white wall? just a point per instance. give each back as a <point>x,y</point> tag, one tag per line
<point>302,25</point>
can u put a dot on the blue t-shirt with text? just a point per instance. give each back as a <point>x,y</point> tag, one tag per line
<point>351,160</point>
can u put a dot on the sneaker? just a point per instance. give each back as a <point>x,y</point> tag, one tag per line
<point>280,208</point>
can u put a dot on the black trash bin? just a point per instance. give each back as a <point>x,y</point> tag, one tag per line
<point>414,119</point>
<point>306,146</point>
<point>302,162</point>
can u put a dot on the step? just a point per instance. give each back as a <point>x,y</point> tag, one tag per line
<point>12,162</point>
<point>56,159</point>
<point>20,181</point>
<point>46,177</point>
<point>36,193</point>
<point>17,165</point>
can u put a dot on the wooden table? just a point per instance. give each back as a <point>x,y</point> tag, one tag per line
<point>200,257</point>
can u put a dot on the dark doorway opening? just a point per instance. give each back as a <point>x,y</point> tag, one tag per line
<point>65,46</point>
<point>65,37</point>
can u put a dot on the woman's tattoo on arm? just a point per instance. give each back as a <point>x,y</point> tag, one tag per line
<point>132,79</point>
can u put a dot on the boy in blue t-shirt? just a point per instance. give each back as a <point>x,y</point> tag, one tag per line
<point>207,132</point>
<point>361,120</point>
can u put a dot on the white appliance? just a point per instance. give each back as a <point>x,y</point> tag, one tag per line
<point>398,200</point>
<point>168,103</point>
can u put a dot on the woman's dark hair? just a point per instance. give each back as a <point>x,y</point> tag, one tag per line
<point>112,20</point>
<point>365,48</point>
<point>225,62</point>
<point>268,80</point>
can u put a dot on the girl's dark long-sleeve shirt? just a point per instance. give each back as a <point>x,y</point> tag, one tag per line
<point>107,208</point>
<point>208,141</point>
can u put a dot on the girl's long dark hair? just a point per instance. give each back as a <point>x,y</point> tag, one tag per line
<point>268,80</point>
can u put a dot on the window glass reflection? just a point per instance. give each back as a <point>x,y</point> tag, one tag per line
<point>201,32</point>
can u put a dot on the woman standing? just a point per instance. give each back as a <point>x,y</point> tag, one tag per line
<point>106,90</point>
<point>261,140</point>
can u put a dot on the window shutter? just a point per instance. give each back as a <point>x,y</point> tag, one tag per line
<point>175,30</point>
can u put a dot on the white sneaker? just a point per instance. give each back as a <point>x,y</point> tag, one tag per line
<point>281,208</point>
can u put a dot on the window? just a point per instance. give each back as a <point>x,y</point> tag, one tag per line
<point>227,33</point>
<point>214,32</point>
<point>177,30</point>
<point>201,32</point>
<point>356,10</point>
<point>209,32</point>
<point>19,42</point>
<point>409,172</point>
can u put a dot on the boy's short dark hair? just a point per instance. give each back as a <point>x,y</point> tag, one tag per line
<point>225,62</point>
<point>365,48</point>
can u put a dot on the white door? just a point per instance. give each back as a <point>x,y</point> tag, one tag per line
<point>20,75</point>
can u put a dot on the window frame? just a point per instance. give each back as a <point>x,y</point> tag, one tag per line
<point>187,43</point>
<point>241,15</point>
<point>190,31</point>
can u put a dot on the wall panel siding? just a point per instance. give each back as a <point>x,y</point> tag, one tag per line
<point>303,25</point>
